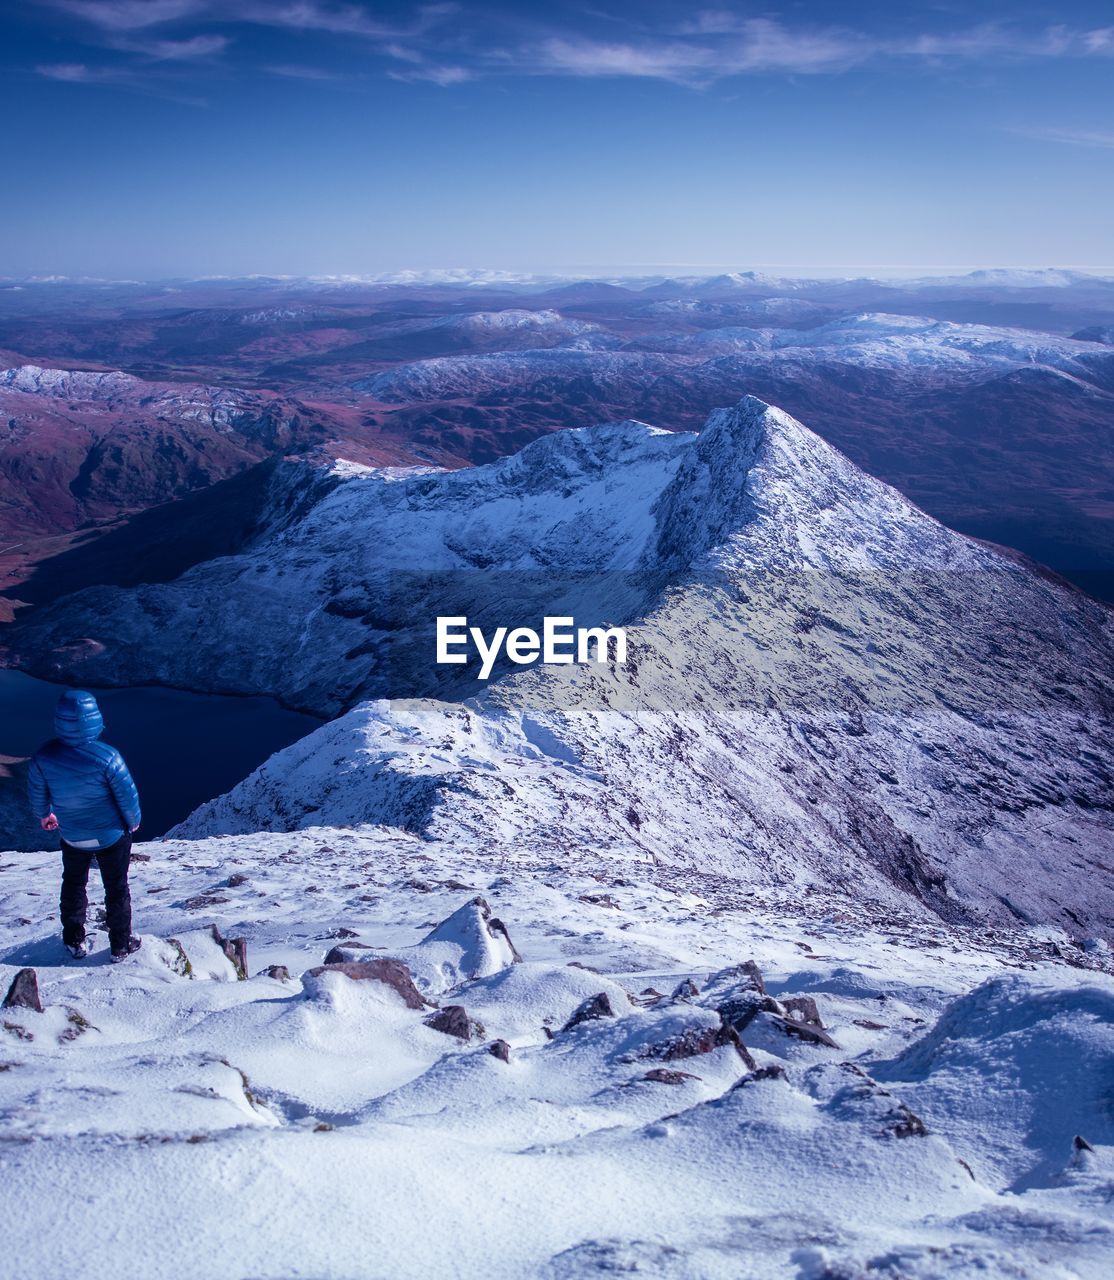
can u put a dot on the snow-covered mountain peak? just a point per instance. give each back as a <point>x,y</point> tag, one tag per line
<point>64,382</point>
<point>762,491</point>
<point>824,685</point>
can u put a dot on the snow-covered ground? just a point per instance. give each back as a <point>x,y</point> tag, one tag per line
<point>161,1124</point>
<point>776,952</point>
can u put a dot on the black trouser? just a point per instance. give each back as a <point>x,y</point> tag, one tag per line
<point>113,863</point>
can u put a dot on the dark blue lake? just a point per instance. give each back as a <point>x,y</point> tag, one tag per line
<point>182,748</point>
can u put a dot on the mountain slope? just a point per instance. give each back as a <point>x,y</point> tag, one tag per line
<point>238,1125</point>
<point>82,446</point>
<point>825,685</point>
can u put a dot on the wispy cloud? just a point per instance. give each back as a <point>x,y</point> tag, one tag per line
<point>1101,138</point>
<point>290,72</point>
<point>447,44</point>
<point>292,15</point>
<point>195,49</point>
<point>717,44</point>
<point>346,19</point>
<point>81,73</point>
<point>132,15</point>
<point>759,45</point>
<point>442,75</point>
<point>129,27</point>
<point>77,73</point>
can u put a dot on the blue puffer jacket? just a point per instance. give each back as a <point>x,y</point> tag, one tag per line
<point>83,782</point>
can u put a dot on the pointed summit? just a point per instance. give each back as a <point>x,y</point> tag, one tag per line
<point>758,486</point>
<point>824,685</point>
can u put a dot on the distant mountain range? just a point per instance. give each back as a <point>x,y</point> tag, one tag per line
<point>987,398</point>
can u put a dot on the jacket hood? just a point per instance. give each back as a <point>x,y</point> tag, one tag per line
<point>77,718</point>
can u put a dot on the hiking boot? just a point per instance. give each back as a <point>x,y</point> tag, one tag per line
<point>79,950</point>
<point>130,948</point>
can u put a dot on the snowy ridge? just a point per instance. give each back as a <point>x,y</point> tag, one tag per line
<point>115,390</point>
<point>838,689</point>
<point>914,345</point>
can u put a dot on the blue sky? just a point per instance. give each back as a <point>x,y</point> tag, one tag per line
<point>152,138</point>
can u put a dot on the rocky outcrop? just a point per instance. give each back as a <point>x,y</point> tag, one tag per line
<point>665,1075</point>
<point>24,992</point>
<point>236,949</point>
<point>739,995</point>
<point>802,1019</point>
<point>697,1040</point>
<point>590,1010</point>
<point>347,953</point>
<point>471,943</point>
<point>848,1092</point>
<point>453,1020</point>
<point>391,973</point>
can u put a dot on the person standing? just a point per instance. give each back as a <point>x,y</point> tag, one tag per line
<point>81,788</point>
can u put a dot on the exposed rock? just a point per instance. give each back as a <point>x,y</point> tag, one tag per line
<point>393,973</point>
<point>906,1124</point>
<point>471,943</point>
<point>24,992</point>
<point>746,976</point>
<point>758,1074</point>
<point>599,900</point>
<point>728,1035</point>
<point>179,962</point>
<point>802,1019</point>
<point>802,1009</point>
<point>277,971</point>
<point>500,1049</point>
<point>697,1040</point>
<point>201,900</point>
<point>499,929</point>
<point>236,949</point>
<point>589,1010</point>
<point>236,880</point>
<point>346,954</point>
<point>686,990</point>
<point>846,1090</point>
<point>666,1075</point>
<point>453,1020</point>
<point>76,1025</point>
<point>740,1009</point>
<point>1082,1155</point>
